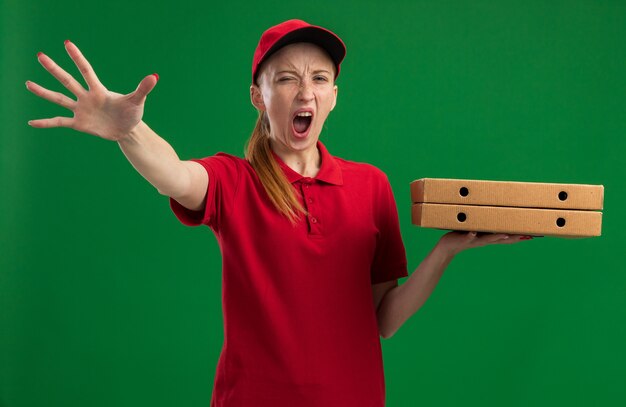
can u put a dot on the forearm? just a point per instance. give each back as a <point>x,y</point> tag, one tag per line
<point>155,160</point>
<point>401,302</point>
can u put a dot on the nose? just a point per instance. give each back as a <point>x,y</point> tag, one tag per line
<point>306,90</point>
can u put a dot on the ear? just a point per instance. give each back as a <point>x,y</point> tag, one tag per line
<point>256,97</point>
<point>335,98</point>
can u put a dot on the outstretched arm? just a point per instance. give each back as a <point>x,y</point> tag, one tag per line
<point>117,117</point>
<point>158,163</point>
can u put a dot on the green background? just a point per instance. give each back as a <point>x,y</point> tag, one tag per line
<point>107,300</point>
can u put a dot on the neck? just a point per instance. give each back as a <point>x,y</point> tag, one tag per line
<point>306,162</point>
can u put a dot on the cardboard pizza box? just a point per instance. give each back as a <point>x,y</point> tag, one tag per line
<point>498,219</point>
<point>508,193</point>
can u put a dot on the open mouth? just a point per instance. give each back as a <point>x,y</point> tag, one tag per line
<point>302,123</point>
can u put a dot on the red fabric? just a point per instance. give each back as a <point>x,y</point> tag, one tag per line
<point>299,321</point>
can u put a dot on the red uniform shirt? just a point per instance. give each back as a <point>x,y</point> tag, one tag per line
<point>300,327</point>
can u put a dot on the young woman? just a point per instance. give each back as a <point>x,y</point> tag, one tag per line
<point>311,244</point>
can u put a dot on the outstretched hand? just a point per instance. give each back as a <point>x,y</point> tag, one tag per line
<point>455,242</point>
<point>97,110</point>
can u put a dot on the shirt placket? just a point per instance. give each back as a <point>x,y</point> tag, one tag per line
<point>309,195</point>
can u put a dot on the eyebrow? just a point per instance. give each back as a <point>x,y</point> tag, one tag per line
<point>296,73</point>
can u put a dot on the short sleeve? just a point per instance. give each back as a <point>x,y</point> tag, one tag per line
<point>390,256</point>
<point>223,173</point>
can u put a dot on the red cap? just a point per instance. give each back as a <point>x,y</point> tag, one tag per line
<point>292,31</point>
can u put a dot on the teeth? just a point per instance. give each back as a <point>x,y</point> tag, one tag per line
<point>304,114</point>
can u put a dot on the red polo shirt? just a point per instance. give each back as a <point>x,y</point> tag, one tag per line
<point>299,321</point>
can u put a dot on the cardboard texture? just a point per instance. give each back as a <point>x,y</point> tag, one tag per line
<point>499,219</point>
<point>505,193</point>
<point>529,208</point>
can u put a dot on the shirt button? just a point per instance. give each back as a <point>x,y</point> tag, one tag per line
<point>310,200</point>
<point>313,220</point>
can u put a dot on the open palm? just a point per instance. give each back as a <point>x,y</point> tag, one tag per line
<point>97,110</point>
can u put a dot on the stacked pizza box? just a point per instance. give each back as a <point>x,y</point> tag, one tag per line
<point>529,208</point>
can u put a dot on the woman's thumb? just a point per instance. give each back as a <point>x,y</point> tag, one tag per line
<point>145,86</point>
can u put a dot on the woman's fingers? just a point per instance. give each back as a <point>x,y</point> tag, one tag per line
<point>54,97</point>
<point>65,78</point>
<point>145,86</point>
<point>54,122</point>
<point>97,111</point>
<point>510,239</point>
<point>495,238</point>
<point>83,65</point>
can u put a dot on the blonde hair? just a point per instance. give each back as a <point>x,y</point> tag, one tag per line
<point>259,154</point>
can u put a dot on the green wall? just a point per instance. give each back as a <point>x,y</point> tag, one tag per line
<point>106,300</point>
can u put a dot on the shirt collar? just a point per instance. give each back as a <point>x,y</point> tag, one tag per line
<point>329,172</point>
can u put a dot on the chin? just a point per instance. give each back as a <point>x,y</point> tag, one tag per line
<point>302,144</point>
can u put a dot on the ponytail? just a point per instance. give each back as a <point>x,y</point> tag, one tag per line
<point>259,154</point>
